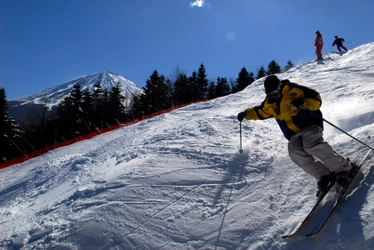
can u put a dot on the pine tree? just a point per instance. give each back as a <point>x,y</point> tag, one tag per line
<point>155,96</point>
<point>193,87</point>
<point>181,91</point>
<point>39,128</point>
<point>88,111</point>
<point>261,73</point>
<point>136,109</point>
<point>202,83</point>
<point>273,68</point>
<point>105,103</point>
<point>222,87</point>
<point>211,91</point>
<point>116,107</point>
<point>288,66</point>
<point>78,124</point>
<point>244,80</point>
<point>169,93</point>
<point>9,131</point>
<point>70,114</point>
<point>99,103</point>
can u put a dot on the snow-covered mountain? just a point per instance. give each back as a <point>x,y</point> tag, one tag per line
<point>53,96</point>
<point>178,181</point>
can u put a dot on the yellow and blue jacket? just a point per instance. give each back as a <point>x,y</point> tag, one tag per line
<point>291,120</point>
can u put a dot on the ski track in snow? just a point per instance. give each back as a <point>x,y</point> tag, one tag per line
<point>177,181</point>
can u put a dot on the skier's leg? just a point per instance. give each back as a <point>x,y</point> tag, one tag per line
<point>314,145</point>
<point>304,160</point>
<point>319,51</point>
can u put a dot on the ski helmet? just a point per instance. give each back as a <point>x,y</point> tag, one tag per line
<point>272,85</point>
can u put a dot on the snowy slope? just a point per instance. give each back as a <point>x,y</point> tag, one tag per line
<point>177,181</point>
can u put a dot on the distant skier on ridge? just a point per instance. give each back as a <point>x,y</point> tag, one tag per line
<point>287,103</point>
<point>318,43</point>
<point>339,44</point>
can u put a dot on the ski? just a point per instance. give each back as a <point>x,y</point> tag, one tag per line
<point>321,211</point>
<point>322,59</point>
<point>335,197</point>
<point>299,226</point>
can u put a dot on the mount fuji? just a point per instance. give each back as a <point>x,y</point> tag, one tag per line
<point>50,98</point>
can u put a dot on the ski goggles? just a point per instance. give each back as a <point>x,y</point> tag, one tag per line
<point>273,93</point>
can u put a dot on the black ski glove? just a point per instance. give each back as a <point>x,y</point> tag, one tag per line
<point>297,103</point>
<point>241,116</point>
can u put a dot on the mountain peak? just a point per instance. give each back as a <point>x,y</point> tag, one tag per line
<point>53,96</point>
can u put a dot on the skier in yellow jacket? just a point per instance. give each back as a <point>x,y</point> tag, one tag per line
<point>296,109</point>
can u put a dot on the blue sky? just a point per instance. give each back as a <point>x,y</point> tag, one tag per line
<point>44,43</point>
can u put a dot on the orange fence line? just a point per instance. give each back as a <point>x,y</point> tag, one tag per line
<point>40,152</point>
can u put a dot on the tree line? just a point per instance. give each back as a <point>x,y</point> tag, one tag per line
<point>89,110</point>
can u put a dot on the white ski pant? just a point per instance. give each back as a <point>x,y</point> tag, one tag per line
<point>308,150</point>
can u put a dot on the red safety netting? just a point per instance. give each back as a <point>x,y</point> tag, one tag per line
<point>40,152</point>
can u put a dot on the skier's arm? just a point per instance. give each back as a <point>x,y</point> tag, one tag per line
<point>257,113</point>
<point>251,114</point>
<point>312,99</point>
<point>312,104</point>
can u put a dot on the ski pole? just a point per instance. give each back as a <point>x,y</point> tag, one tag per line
<point>347,134</point>
<point>240,147</point>
<point>301,106</point>
<point>348,42</point>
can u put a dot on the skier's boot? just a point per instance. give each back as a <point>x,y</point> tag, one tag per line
<point>325,183</point>
<point>342,178</point>
<point>354,168</point>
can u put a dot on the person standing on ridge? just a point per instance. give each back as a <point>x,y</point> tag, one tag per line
<point>339,43</point>
<point>318,43</point>
<point>296,109</point>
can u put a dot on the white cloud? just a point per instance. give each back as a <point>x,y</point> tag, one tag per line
<point>198,3</point>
